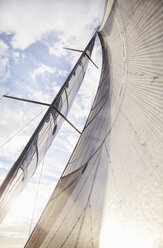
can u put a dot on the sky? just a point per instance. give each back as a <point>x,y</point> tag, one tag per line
<point>34,65</point>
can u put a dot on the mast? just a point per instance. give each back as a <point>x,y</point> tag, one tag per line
<point>110,193</point>
<point>28,161</point>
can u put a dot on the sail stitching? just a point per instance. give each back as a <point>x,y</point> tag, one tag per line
<point>99,101</point>
<point>81,225</point>
<point>112,171</point>
<point>95,150</point>
<point>83,212</point>
<point>91,224</point>
<point>74,201</point>
<point>95,115</point>
<point>144,147</point>
<point>88,201</point>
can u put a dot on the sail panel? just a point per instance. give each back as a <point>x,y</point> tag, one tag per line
<point>43,136</point>
<point>72,199</point>
<point>110,194</point>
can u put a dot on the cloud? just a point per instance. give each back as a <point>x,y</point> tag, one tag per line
<point>18,122</point>
<point>8,116</point>
<point>42,70</point>
<point>30,20</point>
<point>3,48</point>
<point>18,57</point>
<point>4,73</point>
<point>54,87</point>
<point>62,73</point>
<point>4,62</point>
<point>42,87</point>
<point>57,49</point>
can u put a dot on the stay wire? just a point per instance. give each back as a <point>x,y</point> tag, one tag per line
<point>15,87</point>
<point>38,187</point>
<point>18,85</point>
<point>19,131</point>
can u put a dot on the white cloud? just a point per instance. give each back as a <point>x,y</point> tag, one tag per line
<point>62,73</point>
<point>16,127</point>
<point>44,90</point>
<point>8,116</point>
<point>57,49</point>
<point>3,65</point>
<point>3,48</point>
<point>55,88</point>
<point>42,70</point>
<point>30,20</point>
<point>4,62</point>
<point>18,57</point>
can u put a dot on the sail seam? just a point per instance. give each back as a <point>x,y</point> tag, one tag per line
<point>74,202</point>
<point>87,204</point>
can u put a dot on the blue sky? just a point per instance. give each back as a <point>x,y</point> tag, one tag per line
<point>34,65</point>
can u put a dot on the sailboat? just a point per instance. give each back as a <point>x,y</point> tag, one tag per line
<point>110,193</point>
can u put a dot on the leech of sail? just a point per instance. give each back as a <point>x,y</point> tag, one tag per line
<point>45,104</point>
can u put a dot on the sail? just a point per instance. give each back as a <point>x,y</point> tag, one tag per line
<point>35,150</point>
<point>110,193</point>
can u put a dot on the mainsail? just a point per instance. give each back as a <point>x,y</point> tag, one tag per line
<point>110,193</point>
<point>33,153</point>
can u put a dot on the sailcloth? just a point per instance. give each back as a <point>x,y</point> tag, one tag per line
<point>110,193</point>
<point>35,150</point>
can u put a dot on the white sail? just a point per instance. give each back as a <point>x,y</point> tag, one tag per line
<point>35,150</point>
<point>110,194</point>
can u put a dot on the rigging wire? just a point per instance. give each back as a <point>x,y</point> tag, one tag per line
<point>85,181</point>
<point>21,129</point>
<point>1,97</point>
<point>15,87</point>
<point>38,187</point>
<point>36,196</point>
<point>2,90</point>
